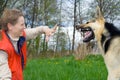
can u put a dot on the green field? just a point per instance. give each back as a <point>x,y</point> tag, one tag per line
<point>66,68</point>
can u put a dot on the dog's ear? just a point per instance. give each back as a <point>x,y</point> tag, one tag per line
<point>98,14</point>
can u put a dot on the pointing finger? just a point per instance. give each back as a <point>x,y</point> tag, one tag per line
<point>55,27</point>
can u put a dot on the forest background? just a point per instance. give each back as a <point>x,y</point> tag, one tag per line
<point>66,13</point>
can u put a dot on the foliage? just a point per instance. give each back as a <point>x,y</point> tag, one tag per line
<point>34,46</point>
<point>109,8</point>
<point>61,40</point>
<point>50,12</point>
<point>3,4</point>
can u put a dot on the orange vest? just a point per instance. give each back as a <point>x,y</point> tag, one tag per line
<point>16,59</point>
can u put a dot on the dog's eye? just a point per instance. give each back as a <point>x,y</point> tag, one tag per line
<point>87,22</point>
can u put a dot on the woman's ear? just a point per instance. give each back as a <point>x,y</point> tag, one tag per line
<point>9,26</point>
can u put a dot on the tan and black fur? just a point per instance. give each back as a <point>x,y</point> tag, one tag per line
<point>108,39</point>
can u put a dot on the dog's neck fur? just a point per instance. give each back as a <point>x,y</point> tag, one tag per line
<point>110,33</point>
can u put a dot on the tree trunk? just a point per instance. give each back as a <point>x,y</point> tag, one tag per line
<point>33,16</point>
<point>45,21</point>
<point>75,19</point>
<point>58,28</point>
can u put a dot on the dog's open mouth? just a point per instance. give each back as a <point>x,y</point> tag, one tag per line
<point>88,34</point>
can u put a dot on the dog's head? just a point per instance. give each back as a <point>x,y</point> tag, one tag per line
<point>93,28</point>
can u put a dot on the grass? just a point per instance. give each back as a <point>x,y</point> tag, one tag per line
<point>66,68</point>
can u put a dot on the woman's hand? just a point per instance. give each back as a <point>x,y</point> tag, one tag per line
<point>48,32</point>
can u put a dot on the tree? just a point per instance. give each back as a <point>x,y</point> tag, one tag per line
<point>49,9</point>
<point>109,8</point>
<point>3,4</point>
<point>75,20</point>
<point>62,40</point>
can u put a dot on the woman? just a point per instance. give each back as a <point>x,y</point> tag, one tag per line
<point>13,36</point>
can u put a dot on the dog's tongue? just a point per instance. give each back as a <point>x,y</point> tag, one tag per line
<point>87,34</point>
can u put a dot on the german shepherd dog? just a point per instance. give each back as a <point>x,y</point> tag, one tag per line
<point>108,39</point>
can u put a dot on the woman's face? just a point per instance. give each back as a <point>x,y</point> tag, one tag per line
<point>18,28</point>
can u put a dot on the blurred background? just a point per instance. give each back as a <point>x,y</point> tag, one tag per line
<point>67,13</point>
